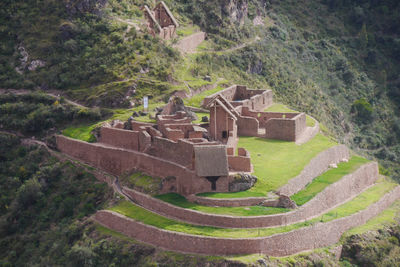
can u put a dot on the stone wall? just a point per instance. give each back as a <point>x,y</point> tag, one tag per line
<point>120,138</point>
<point>333,195</point>
<point>239,95</point>
<point>118,161</point>
<point>180,152</point>
<point>226,202</point>
<point>289,129</point>
<point>314,168</point>
<point>239,164</point>
<point>191,42</point>
<point>278,245</point>
<point>247,126</point>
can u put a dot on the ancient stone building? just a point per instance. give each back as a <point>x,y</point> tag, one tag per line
<point>160,21</point>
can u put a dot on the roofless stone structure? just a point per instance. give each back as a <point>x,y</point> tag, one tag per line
<point>160,21</point>
<point>194,157</point>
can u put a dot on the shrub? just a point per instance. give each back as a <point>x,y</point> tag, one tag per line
<point>362,109</point>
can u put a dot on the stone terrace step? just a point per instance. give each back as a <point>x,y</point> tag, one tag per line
<point>346,188</point>
<point>283,244</point>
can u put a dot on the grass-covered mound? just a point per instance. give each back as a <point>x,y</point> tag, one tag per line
<point>180,201</point>
<point>358,203</point>
<point>329,177</point>
<point>276,162</point>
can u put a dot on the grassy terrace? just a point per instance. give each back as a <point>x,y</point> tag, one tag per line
<point>359,203</point>
<point>327,178</point>
<point>388,217</point>
<point>276,162</point>
<point>276,107</point>
<point>180,201</point>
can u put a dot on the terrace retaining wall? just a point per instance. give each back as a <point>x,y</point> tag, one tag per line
<point>346,188</point>
<point>278,245</point>
<point>316,167</point>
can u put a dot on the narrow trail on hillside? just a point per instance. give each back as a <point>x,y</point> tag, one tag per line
<point>56,94</point>
<point>232,49</point>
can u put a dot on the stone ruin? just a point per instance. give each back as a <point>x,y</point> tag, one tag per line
<point>201,157</point>
<point>160,21</point>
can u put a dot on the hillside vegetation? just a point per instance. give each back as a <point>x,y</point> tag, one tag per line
<point>337,60</point>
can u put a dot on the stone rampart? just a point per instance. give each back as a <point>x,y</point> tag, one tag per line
<point>191,42</point>
<point>315,236</point>
<point>333,195</point>
<point>314,168</point>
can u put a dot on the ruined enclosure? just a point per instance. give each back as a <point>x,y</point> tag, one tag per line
<point>200,157</point>
<point>160,21</point>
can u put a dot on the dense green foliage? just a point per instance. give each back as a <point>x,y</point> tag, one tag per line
<point>82,48</point>
<point>36,113</point>
<point>41,199</point>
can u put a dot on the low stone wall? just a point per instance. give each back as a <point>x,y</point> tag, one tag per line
<point>190,43</point>
<point>316,167</point>
<point>333,195</point>
<point>278,245</point>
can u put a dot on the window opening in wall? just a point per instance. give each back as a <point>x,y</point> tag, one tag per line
<point>284,116</point>
<point>224,134</point>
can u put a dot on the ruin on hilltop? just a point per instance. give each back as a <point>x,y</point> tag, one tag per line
<point>194,157</point>
<point>160,21</point>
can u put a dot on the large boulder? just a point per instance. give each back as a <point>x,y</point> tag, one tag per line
<point>242,182</point>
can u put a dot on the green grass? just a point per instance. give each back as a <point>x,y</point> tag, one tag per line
<point>386,218</point>
<point>196,100</point>
<point>360,202</point>
<point>180,201</point>
<point>276,162</point>
<point>142,182</point>
<point>329,177</point>
<point>81,132</point>
<point>200,115</point>
<point>187,30</point>
<point>277,107</point>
